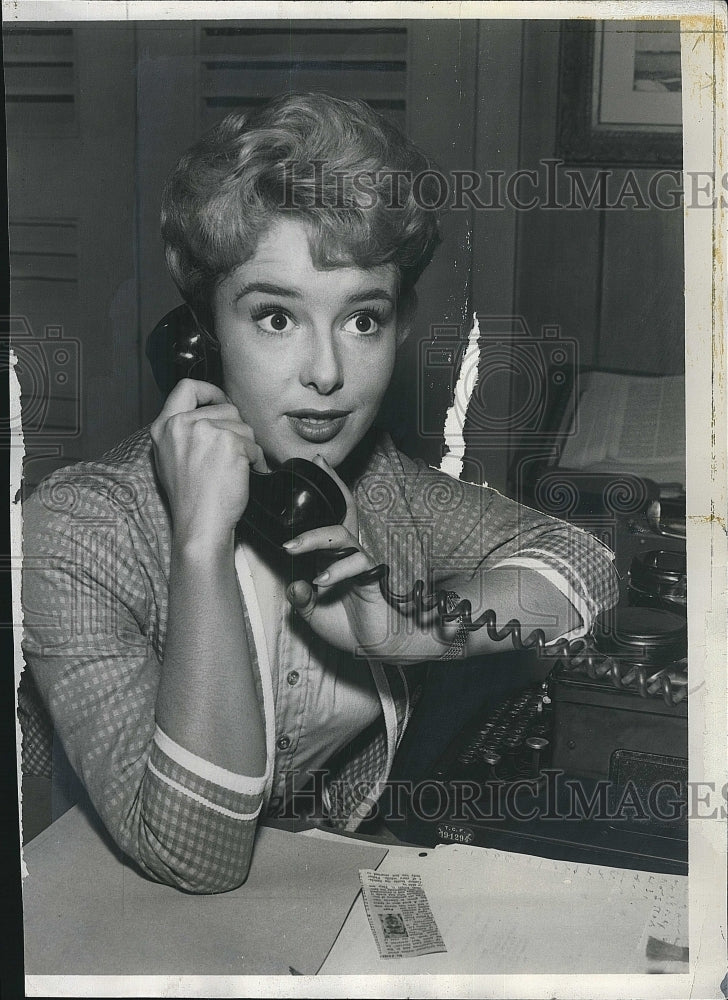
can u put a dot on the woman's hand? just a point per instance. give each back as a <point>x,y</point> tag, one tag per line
<point>348,613</point>
<point>203,452</point>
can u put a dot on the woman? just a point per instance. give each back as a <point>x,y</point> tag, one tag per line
<point>196,675</point>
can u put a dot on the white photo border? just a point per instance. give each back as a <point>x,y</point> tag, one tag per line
<point>704,116</point>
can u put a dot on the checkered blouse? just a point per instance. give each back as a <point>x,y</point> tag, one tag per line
<point>97,546</point>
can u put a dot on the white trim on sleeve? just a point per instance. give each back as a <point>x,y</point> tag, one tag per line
<point>201,799</point>
<point>203,768</point>
<point>548,558</point>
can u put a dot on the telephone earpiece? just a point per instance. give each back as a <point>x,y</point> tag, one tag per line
<point>178,347</point>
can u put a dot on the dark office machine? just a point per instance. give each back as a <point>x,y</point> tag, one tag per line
<point>588,762</point>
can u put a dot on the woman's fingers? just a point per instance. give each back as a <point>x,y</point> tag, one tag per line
<point>189,393</point>
<point>204,425</point>
<point>244,445</point>
<point>242,438</point>
<point>189,400</point>
<point>344,569</point>
<point>212,411</point>
<point>335,536</point>
<point>332,539</point>
<point>204,453</point>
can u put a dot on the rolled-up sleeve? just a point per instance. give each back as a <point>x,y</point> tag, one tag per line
<point>88,644</point>
<point>454,529</point>
<point>492,531</point>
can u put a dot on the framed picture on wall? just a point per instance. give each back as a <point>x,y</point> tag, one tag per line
<point>620,92</point>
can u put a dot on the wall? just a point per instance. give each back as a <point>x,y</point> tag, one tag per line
<point>610,279</point>
<point>71,181</point>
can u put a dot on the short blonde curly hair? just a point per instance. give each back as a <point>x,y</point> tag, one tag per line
<point>346,171</point>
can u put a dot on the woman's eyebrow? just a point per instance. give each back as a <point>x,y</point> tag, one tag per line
<point>267,288</point>
<point>370,293</point>
<point>270,288</point>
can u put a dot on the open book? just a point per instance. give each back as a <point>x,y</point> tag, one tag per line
<point>629,423</point>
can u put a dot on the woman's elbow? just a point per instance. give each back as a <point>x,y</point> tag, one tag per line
<point>199,865</point>
<point>198,880</point>
<point>210,885</point>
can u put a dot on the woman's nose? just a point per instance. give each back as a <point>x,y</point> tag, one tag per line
<point>321,368</point>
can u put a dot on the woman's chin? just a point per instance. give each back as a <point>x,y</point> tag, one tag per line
<point>332,451</point>
<point>312,441</point>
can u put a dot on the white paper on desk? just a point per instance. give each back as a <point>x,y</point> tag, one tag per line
<point>664,940</point>
<point>502,913</point>
<point>399,914</point>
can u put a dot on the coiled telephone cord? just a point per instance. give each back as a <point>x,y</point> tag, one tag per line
<point>576,655</point>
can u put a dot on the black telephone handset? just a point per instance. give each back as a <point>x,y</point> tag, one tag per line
<point>294,498</point>
<point>299,496</point>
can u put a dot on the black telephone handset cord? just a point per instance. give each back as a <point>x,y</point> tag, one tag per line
<point>417,602</point>
<point>578,655</point>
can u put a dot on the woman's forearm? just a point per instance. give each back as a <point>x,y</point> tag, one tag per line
<point>207,700</point>
<point>511,593</point>
<point>523,594</point>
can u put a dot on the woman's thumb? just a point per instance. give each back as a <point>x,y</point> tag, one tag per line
<point>302,597</point>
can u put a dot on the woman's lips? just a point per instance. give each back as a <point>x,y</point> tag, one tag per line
<point>317,427</point>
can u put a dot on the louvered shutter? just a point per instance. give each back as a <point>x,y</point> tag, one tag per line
<point>41,104</point>
<point>70,101</point>
<point>40,80</point>
<point>243,66</point>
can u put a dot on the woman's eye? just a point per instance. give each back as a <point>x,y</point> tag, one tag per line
<point>274,322</point>
<point>363,324</point>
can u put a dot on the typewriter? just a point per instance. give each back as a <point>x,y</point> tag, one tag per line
<point>589,764</point>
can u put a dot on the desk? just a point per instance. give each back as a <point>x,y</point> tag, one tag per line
<point>88,911</point>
